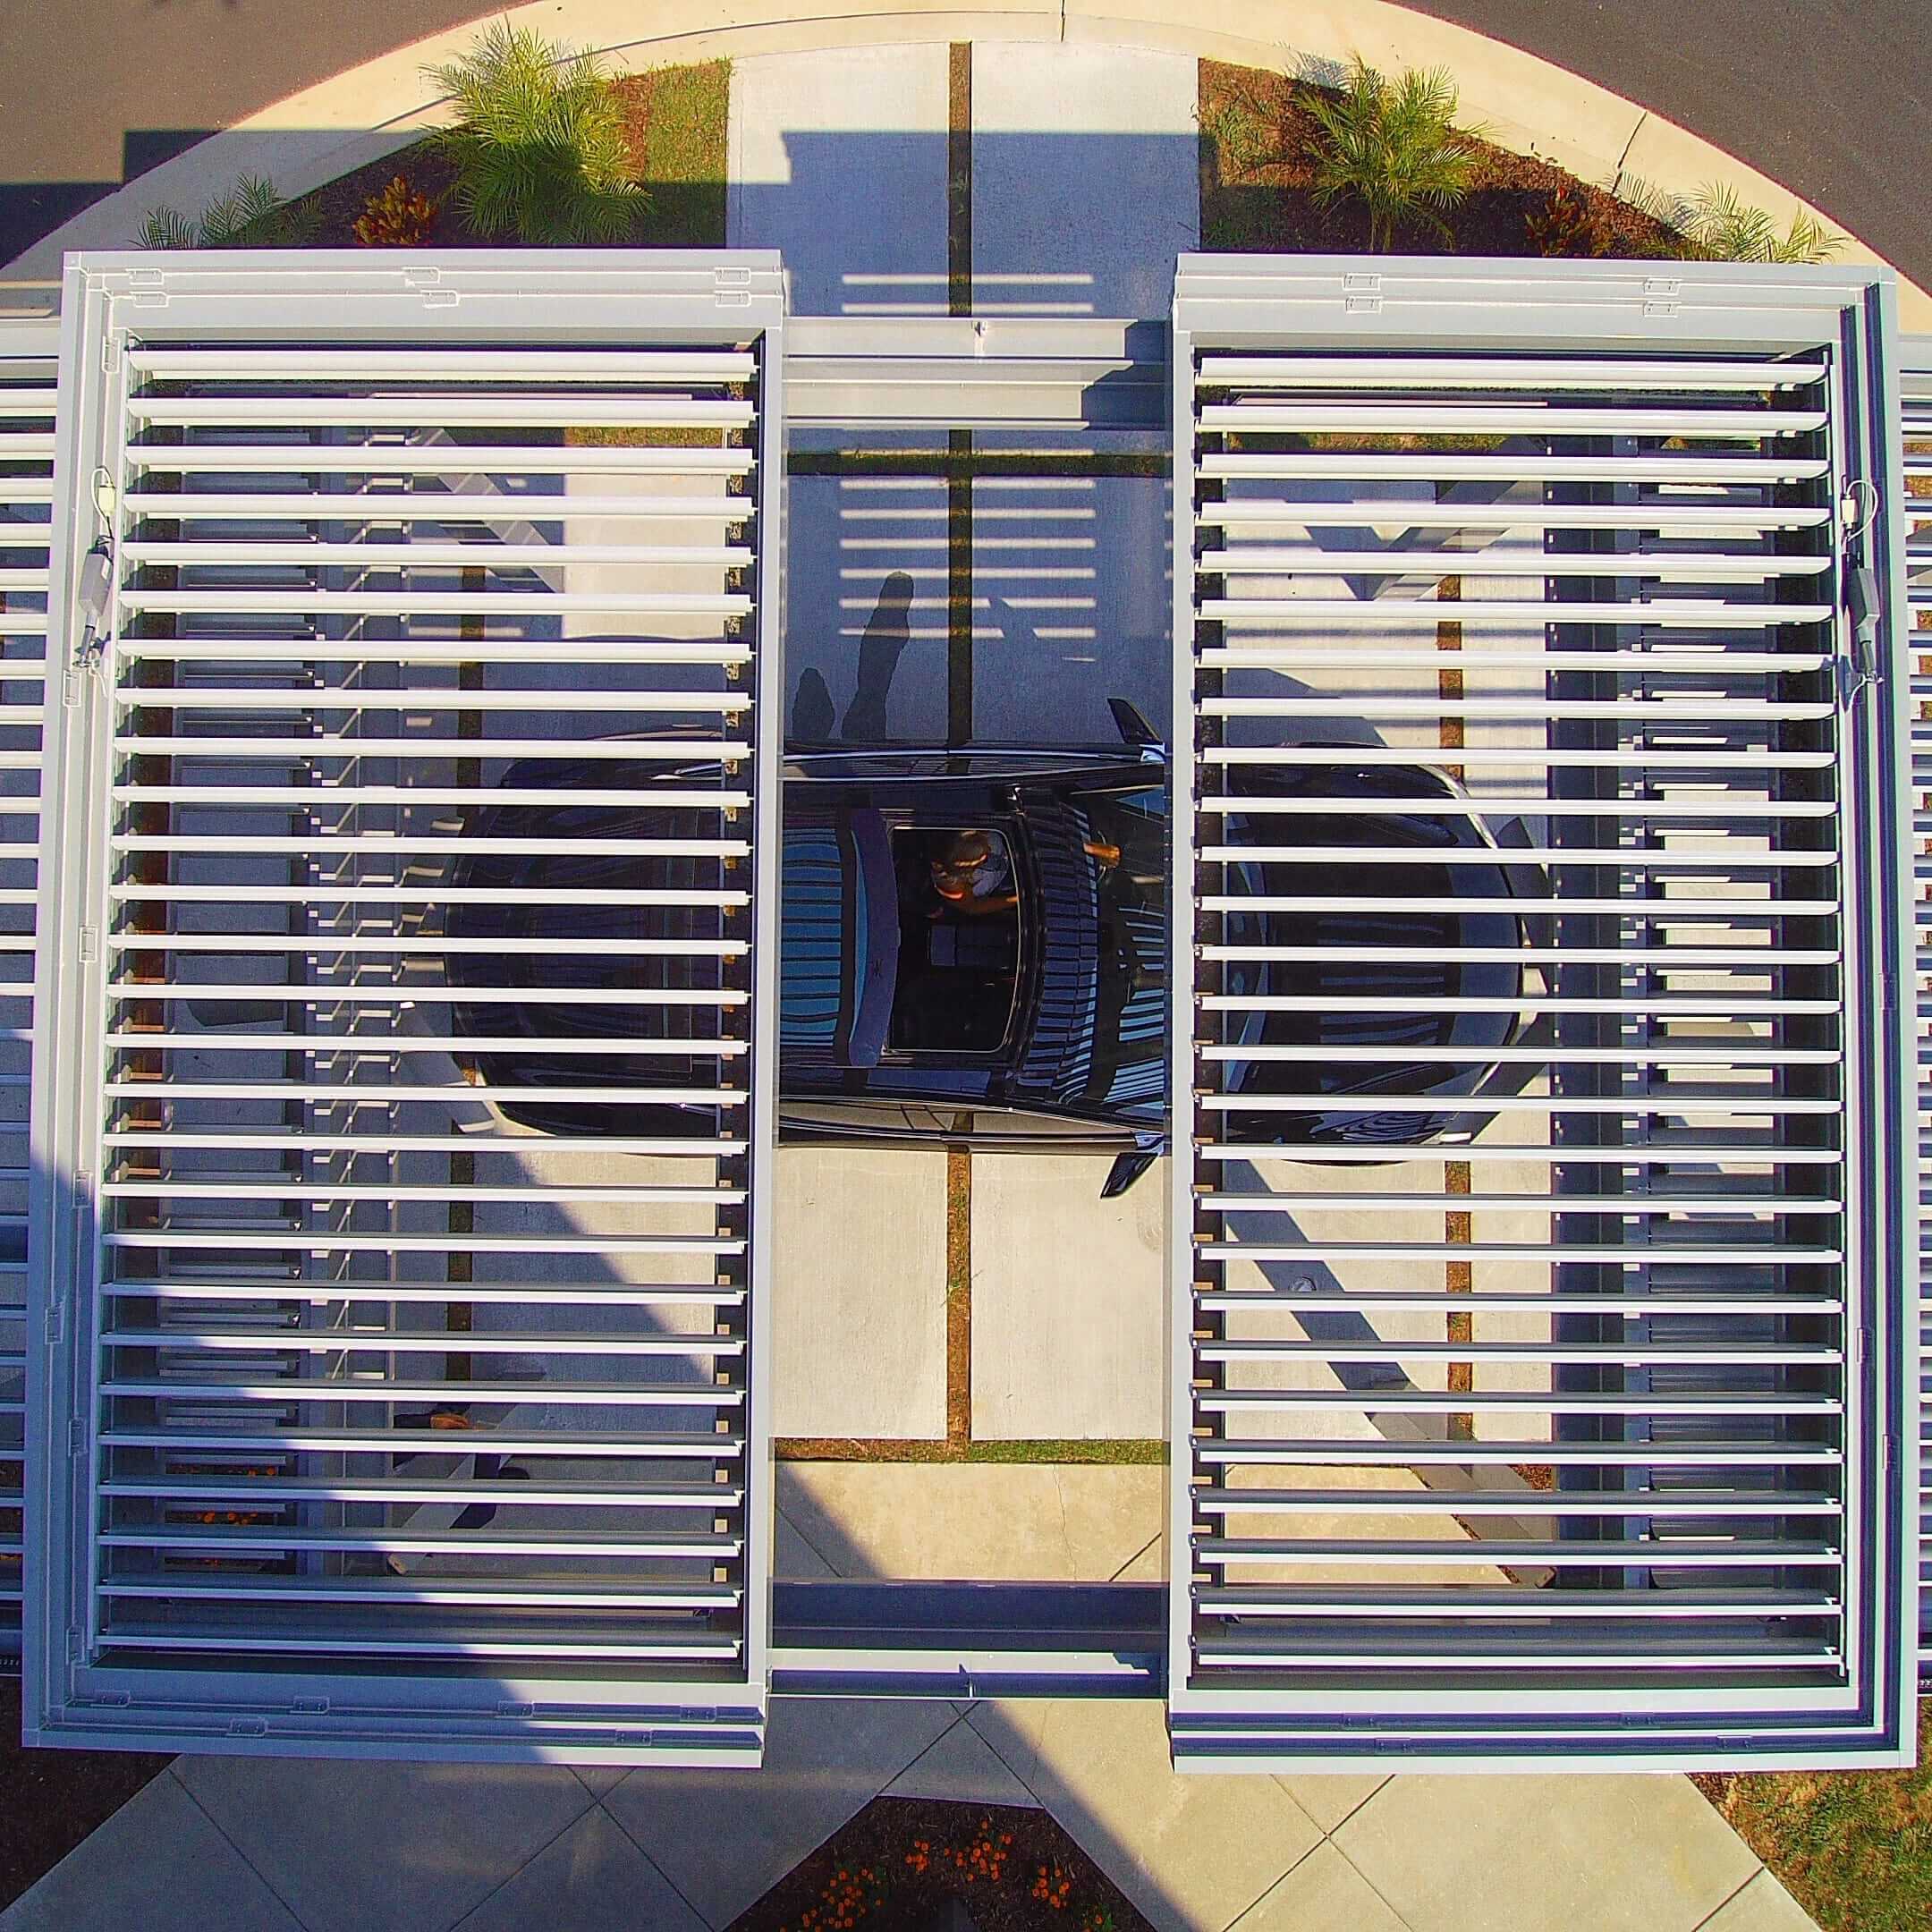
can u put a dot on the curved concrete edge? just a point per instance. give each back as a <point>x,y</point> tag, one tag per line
<point>1520,100</point>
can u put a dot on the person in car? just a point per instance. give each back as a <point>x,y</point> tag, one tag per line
<point>972,874</point>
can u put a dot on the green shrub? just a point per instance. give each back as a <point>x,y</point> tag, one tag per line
<point>1243,140</point>
<point>1717,225</point>
<point>539,142</point>
<point>250,214</point>
<point>1391,146</point>
<point>1567,224</point>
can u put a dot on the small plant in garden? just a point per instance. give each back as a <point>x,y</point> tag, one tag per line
<point>847,1898</point>
<point>1052,1886</point>
<point>1567,224</point>
<point>250,214</point>
<point>1243,138</point>
<point>1717,225</point>
<point>400,217</point>
<point>1393,146</point>
<point>539,142</point>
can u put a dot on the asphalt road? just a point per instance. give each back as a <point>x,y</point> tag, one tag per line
<point>1833,98</point>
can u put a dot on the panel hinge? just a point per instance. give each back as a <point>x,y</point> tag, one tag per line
<point>249,1727</point>
<point>516,1710</point>
<point>89,944</point>
<point>56,1324</point>
<point>1361,292</point>
<point>732,287</point>
<point>110,352</point>
<point>1661,294</point>
<point>310,1707</point>
<point>428,283</point>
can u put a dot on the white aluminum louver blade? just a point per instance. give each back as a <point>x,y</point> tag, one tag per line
<point>1540,1280</point>
<point>402,1196</point>
<point>29,348</point>
<point>1916,427</point>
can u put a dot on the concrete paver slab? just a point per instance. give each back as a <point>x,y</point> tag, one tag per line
<point>1113,130</point>
<point>858,1310</point>
<point>866,610</point>
<point>1322,1894</point>
<point>1069,1301</point>
<point>1645,1853</point>
<point>157,1865</point>
<point>354,1844</point>
<point>1190,1851</point>
<point>1058,1522</point>
<point>795,1555</point>
<point>1071,596</point>
<point>591,1880</point>
<point>825,1758</point>
<point>1764,1905</point>
<point>964,1768</point>
<point>838,158</point>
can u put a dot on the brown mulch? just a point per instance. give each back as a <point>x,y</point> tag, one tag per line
<point>1269,206</point>
<point>51,1800</point>
<point>898,1864</point>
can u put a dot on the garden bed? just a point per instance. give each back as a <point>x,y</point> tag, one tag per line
<point>674,123</point>
<point>900,1864</point>
<point>1257,183</point>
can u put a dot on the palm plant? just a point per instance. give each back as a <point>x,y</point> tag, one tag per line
<point>539,142</point>
<point>1717,225</point>
<point>250,214</point>
<point>1392,145</point>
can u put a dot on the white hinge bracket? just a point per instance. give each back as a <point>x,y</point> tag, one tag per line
<point>89,944</point>
<point>732,287</point>
<point>427,283</point>
<point>1361,294</point>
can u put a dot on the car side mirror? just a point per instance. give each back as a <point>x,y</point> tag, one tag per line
<point>1133,728</point>
<point>1126,1170</point>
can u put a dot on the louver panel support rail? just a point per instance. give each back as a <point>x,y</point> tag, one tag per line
<point>403,1389</point>
<point>1542,1265</point>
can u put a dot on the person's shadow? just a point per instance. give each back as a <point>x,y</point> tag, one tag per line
<point>888,632</point>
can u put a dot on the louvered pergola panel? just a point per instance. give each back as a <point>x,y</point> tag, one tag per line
<point>1916,426</point>
<point>1540,1283</point>
<point>435,1435</point>
<point>29,348</point>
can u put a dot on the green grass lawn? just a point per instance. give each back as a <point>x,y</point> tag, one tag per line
<point>1855,1848</point>
<point>675,122</point>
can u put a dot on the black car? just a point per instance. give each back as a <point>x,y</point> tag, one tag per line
<point>974,947</point>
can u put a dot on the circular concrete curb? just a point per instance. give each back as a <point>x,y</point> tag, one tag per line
<point>1521,100</point>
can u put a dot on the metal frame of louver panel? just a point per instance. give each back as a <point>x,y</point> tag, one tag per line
<point>1915,405</point>
<point>367,1423</point>
<point>29,350</point>
<point>1578,1437</point>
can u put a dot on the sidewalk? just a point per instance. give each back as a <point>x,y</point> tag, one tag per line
<point>210,1843</point>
